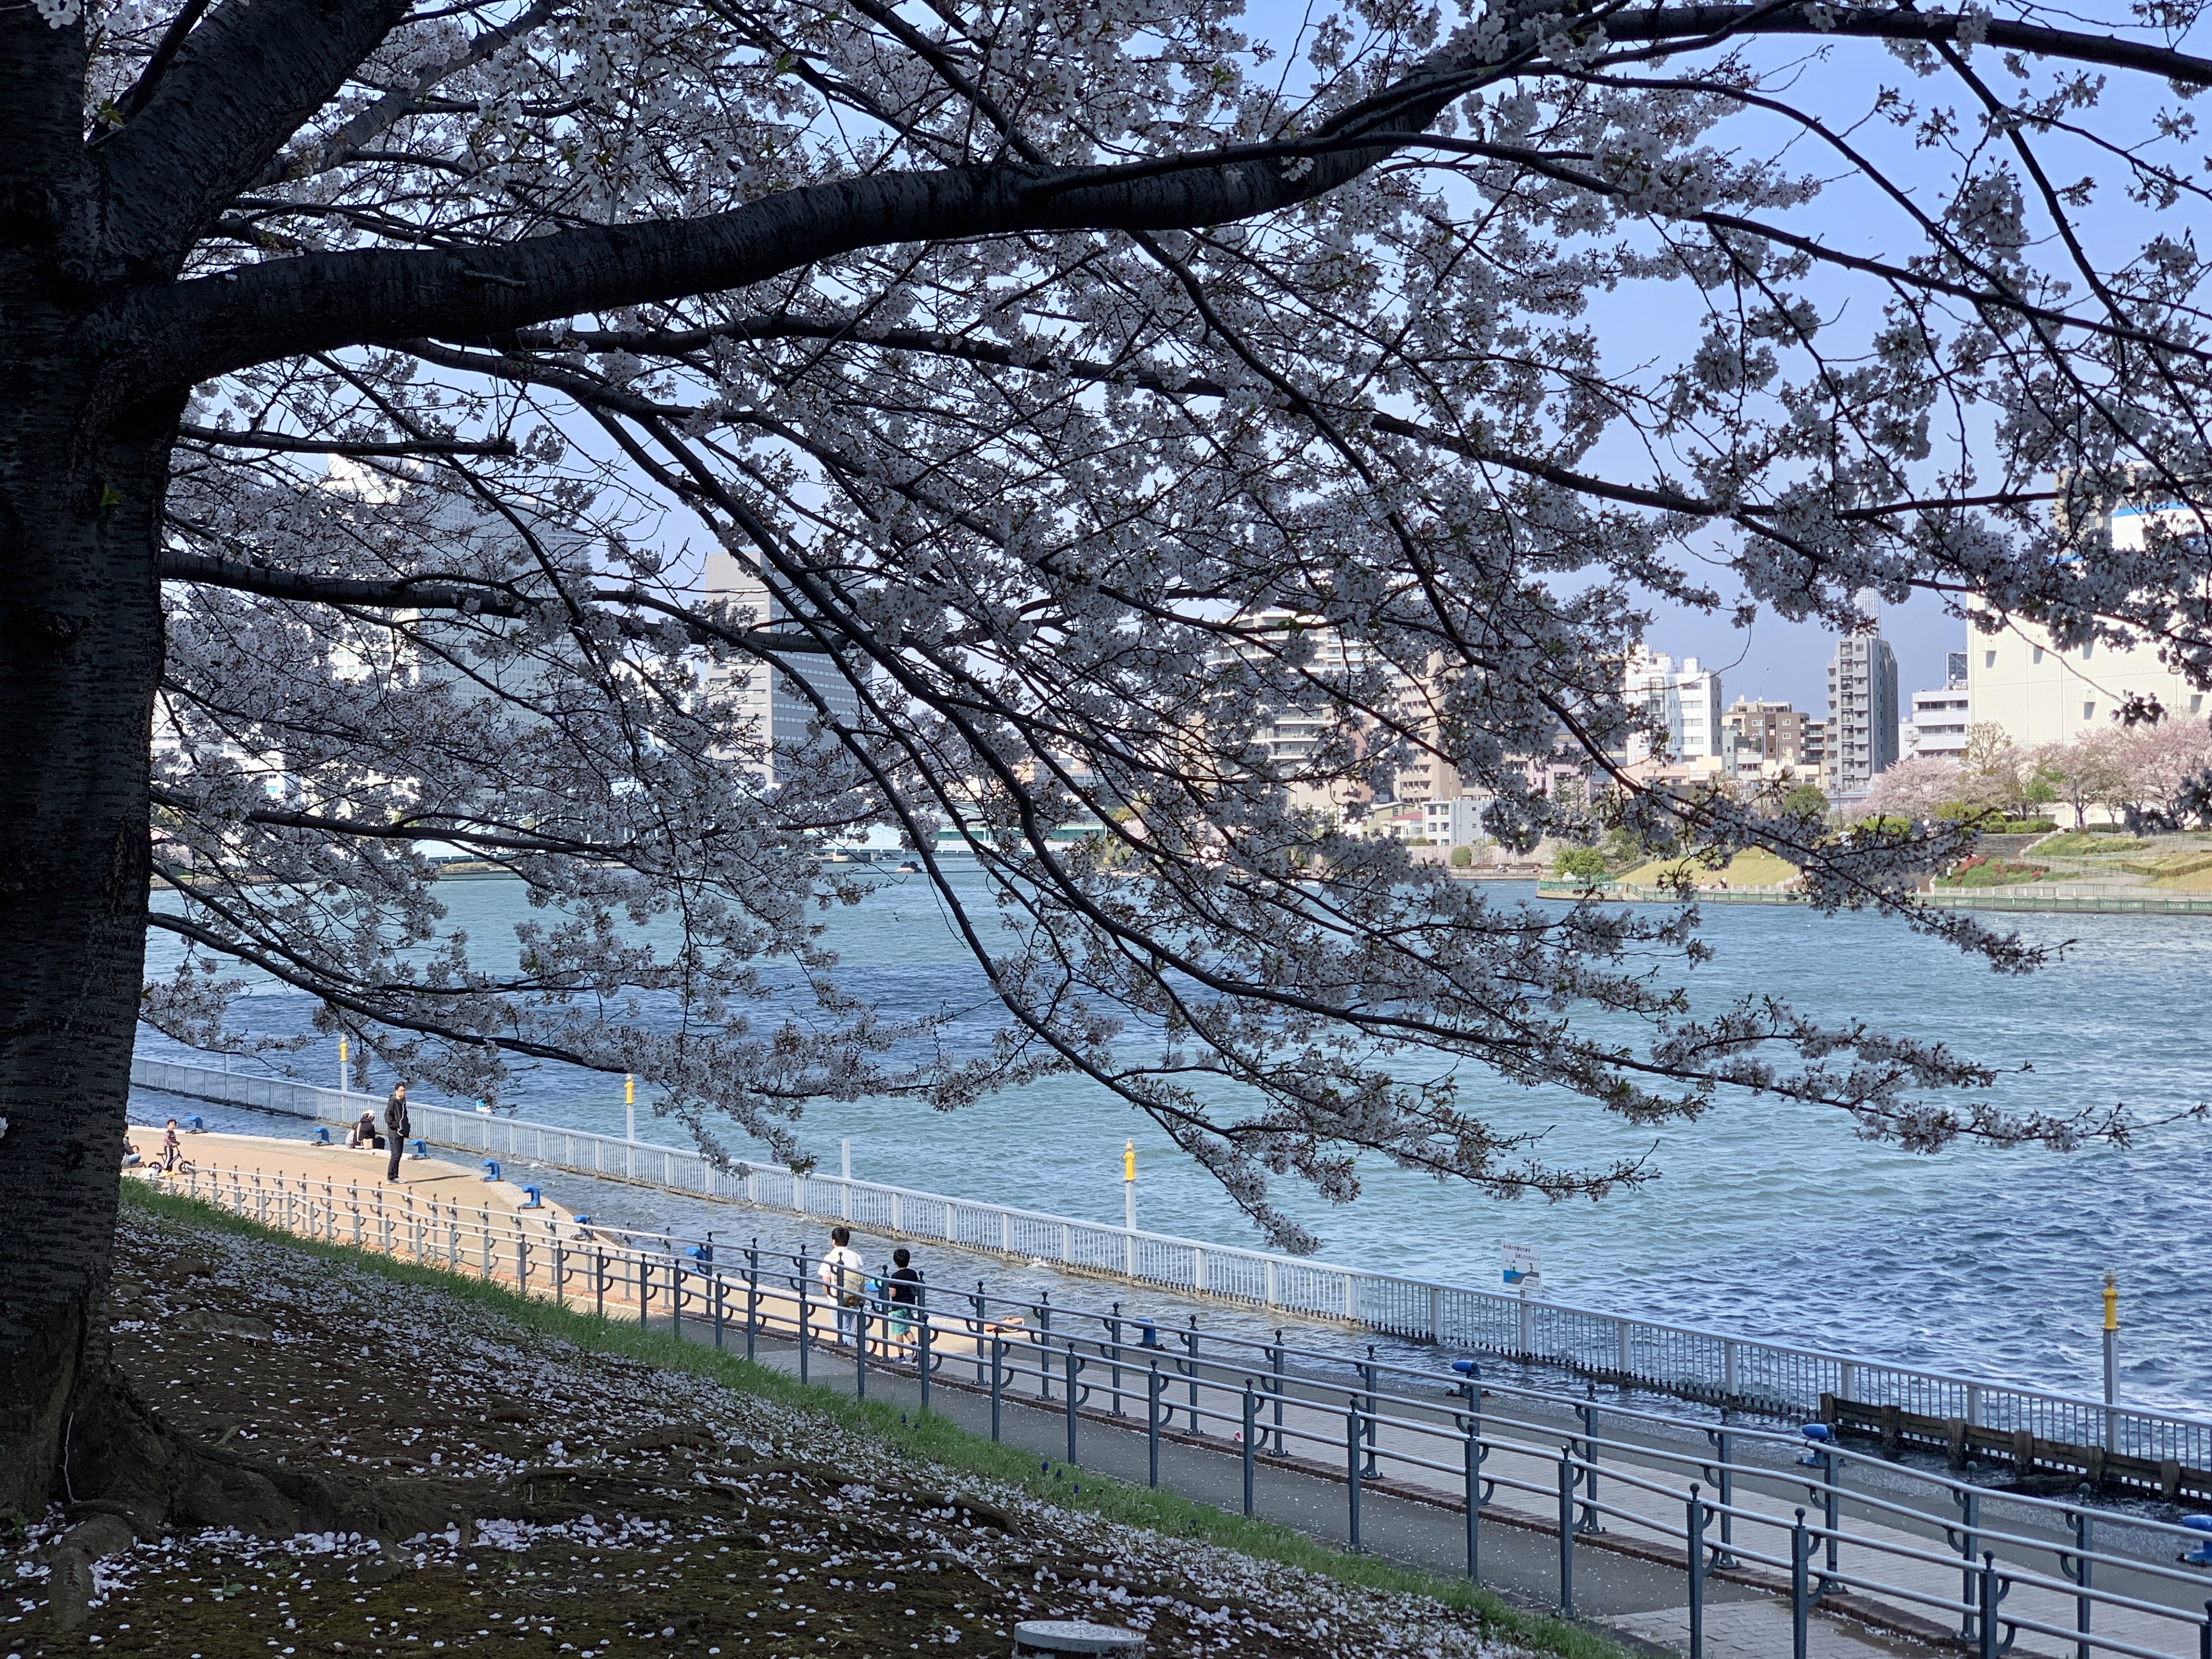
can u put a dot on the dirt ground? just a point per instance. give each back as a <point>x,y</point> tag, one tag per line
<point>600,1506</point>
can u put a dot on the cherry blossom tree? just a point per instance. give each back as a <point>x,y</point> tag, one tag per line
<point>2164,765</point>
<point>2089,770</point>
<point>1087,384</point>
<point>1914,788</point>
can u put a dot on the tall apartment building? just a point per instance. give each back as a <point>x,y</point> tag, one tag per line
<point>1863,713</point>
<point>1685,702</point>
<point>1816,750</point>
<point>1763,737</point>
<point>1295,732</point>
<point>781,702</point>
<point>1941,717</point>
<point>2019,680</point>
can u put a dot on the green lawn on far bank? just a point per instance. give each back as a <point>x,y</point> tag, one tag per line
<point>1754,867</point>
<point>1991,873</point>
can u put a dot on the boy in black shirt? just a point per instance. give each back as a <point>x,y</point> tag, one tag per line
<point>906,1295</point>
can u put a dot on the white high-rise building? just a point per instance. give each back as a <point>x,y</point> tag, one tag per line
<point>782,701</point>
<point>1685,700</point>
<point>1941,716</point>
<point>1863,713</point>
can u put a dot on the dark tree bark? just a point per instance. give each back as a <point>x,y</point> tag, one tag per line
<point>80,652</point>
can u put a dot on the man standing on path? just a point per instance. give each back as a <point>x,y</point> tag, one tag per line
<point>844,1280</point>
<point>395,1127</point>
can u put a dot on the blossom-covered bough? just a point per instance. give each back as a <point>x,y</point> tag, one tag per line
<point>1088,386</point>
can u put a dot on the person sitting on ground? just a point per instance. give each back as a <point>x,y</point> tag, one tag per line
<point>364,1131</point>
<point>905,1297</point>
<point>129,1149</point>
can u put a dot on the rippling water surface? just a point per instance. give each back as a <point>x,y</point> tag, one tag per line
<point>1771,1220</point>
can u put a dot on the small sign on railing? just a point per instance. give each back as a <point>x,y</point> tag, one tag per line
<point>1524,1268</point>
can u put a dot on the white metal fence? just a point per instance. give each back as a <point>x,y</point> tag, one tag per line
<point>1683,1360</point>
<point>1721,1501</point>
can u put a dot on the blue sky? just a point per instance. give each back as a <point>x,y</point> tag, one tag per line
<point>1789,660</point>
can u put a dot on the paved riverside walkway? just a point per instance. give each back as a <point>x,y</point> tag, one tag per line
<point>1637,1599</point>
<point>1630,1576</point>
<point>337,1174</point>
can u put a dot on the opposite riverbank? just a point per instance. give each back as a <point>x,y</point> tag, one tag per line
<point>596,1485</point>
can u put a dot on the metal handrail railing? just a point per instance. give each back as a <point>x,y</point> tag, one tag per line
<point>500,1245</point>
<point>1744,1373</point>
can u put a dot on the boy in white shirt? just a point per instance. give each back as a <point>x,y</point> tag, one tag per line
<point>845,1283</point>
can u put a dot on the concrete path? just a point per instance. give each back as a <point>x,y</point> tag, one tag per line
<point>336,1174</point>
<point>1902,1575</point>
<point>1637,1599</point>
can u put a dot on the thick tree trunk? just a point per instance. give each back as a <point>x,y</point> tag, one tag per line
<point>81,644</point>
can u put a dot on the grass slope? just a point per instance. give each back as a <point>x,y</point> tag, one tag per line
<point>929,1439</point>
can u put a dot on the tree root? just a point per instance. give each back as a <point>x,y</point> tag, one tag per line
<point>121,1459</point>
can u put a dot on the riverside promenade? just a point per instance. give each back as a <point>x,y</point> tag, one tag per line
<point>2044,1435</point>
<point>1587,1508</point>
<point>2051,898</point>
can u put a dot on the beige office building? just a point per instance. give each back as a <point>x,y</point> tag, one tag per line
<point>2018,680</point>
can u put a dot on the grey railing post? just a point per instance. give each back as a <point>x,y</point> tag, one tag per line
<point>982,1320</point>
<point>998,1355</point>
<point>1473,1499</point>
<point>1251,1424</point>
<point>1991,1592</point>
<point>1154,1382</point>
<point>1190,1370</point>
<point>1367,1373</point>
<point>1566,1532</point>
<point>1830,1505</point>
<point>1351,1450</point>
<point>1275,1386</point>
<point>1968,1545</point>
<point>922,1342</point>
<point>860,1344</point>
<point>1589,1524</point>
<point>2076,1568</point>
<point>644,1280</point>
<point>1074,1365</point>
<point>1801,1590</point>
<point>1694,1535</point>
<point>1724,1473</point>
<point>806,1314</point>
<point>1113,1342</point>
<point>752,1295</point>
<point>1043,1312</point>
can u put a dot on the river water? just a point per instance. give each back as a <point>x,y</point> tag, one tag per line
<point>1770,1220</point>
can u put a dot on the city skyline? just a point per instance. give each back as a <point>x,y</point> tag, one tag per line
<point>1776,660</point>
